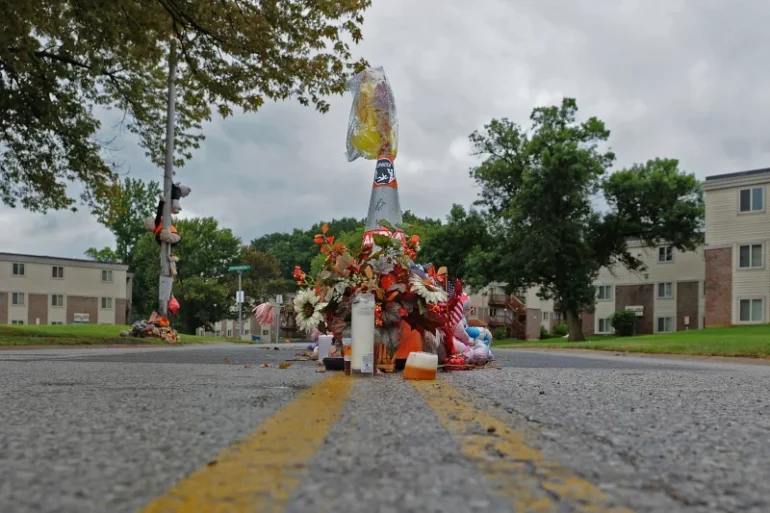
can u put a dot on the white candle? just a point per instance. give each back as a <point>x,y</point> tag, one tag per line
<point>362,328</point>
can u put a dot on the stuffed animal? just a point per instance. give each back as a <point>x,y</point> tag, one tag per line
<point>171,236</point>
<point>178,191</point>
<point>172,260</point>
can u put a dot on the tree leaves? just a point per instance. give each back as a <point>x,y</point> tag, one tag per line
<point>60,61</point>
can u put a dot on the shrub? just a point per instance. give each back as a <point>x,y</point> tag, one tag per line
<point>499,333</point>
<point>543,332</point>
<point>623,322</point>
<point>560,330</point>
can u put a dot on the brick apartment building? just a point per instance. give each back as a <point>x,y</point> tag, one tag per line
<point>48,290</point>
<point>667,296</point>
<point>737,230</point>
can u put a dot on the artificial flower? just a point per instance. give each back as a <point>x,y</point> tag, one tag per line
<point>382,265</point>
<point>426,290</point>
<point>308,308</point>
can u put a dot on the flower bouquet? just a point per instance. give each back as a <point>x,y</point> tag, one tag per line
<point>403,291</point>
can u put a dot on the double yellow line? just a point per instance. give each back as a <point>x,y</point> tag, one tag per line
<point>260,473</point>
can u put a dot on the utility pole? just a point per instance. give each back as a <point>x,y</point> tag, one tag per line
<point>166,280</point>
<point>239,295</point>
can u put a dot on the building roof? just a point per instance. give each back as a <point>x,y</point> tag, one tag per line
<point>739,174</point>
<point>49,260</point>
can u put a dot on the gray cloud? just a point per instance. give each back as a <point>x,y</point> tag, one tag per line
<point>671,78</point>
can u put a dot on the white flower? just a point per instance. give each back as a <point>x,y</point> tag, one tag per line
<point>430,293</point>
<point>309,308</point>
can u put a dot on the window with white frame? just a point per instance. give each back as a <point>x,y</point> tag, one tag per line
<point>666,254</point>
<point>665,290</point>
<point>57,300</point>
<point>603,326</point>
<point>106,276</point>
<point>18,269</point>
<point>57,272</point>
<point>750,256</point>
<point>752,199</point>
<point>751,310</point>
<point>665,324</point>
<point>106,303</point>
<point>17,299</point>
<point>265,333</point>
<point>229,333</point>
<point>604,292</point>
<point>17,322</point>
<point>545,316</point>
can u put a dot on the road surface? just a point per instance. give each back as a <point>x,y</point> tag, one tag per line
<point>155,429</point>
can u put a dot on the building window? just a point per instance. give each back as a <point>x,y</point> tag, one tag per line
<point>665,324</point>
<point>604,292</point>
<point>665,290</point>
<point>265,333</point>
<point>752,200</point>
<point>57,300</point>
<point>493,312</point>
<point>545,316</point>
<point>229,333</point>
<point>17,299</point>
<point>752,310</point>
<point>603,326</point>
<point>57,272</point>
<point>666,254</point>
<point>17,322</point>
<point>18,269</point>
<point>106,276</point>
<point>106,303</point>
<point>750,256</point>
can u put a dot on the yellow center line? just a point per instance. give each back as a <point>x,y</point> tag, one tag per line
<point>260,472</point>
<point>517,471</point>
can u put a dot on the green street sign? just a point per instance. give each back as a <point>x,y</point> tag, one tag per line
<point>239,268</point>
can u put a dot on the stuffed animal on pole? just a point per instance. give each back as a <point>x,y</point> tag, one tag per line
<point>178,191</point>
<point>170,236</point>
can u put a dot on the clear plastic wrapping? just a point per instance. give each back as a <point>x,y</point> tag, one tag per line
<point>373,124</point>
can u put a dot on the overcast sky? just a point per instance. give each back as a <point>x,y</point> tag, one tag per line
<point>685,79</point>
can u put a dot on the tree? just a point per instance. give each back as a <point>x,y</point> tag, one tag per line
<point>450,244</point>
<point>61,61</point>
<point>202,285</point>
<point>264,277</point>
<point>129,203</point>
<point>102,255</point>
<point>539,189</point>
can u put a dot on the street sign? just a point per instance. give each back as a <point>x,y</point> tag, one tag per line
<point>239,268</point>
<point>637,309</point>
<point>239,297</point>
<point>279,299</point>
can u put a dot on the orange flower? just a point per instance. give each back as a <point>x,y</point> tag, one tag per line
<point>387,281</point>
<point>414,240</point>
<point>318,239</point>
<point>378,315</point>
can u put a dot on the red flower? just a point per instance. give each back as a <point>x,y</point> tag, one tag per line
<point>387,281</point>
<point>414,240</point>
<point>298,274</point>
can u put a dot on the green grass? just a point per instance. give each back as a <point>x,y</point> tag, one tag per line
<point>83,334</point>
<point>748,341</point>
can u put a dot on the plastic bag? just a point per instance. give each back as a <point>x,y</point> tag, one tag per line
<point>373,123</point>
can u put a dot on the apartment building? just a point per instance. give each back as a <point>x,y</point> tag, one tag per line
<point>50,290</point>
<point>737,232</point>
<point>522,313</point>
<point>667,296</point>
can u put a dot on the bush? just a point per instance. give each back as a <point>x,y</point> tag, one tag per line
<point>499,333</point>
<point>544,333</point>
<point>624,323</point>
<point>560,330</point>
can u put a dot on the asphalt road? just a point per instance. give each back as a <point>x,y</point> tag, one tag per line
<point>109,430</point>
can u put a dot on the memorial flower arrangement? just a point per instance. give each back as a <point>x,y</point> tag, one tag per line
<point>403,290</point>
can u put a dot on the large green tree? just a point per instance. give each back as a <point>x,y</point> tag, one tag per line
<point>63,60</point>
<point>128,204</point>
<point>540,188</point>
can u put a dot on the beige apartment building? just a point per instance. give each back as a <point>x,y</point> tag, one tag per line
<point>49,290</point>
<point>737,233</point>
<point>667,296</point>
<point>521,314</point>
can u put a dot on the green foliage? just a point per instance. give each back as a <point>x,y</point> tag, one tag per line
<point>60,60</point>
<point>539,188</point>
<point>102,255</point>
<point>560,330</point>
<point>128,204</point>
<point>623,322</point>
<point>450,244</point>
<point>499,333</point>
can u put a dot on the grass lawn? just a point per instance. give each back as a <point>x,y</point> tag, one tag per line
<point>749,341</point>
<point>83,334</point>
